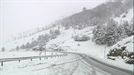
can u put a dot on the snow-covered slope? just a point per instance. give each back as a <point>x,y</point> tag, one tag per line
<point>127,16</point>
<point>20,41</point>
<point>128,42</point>
<point>66,42</point>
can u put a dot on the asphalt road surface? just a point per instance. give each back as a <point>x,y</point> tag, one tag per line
<point>112,70</point>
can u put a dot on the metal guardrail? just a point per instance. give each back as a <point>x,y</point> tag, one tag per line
<point>26,58</point>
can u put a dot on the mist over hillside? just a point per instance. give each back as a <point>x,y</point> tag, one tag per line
<point>96,16</point>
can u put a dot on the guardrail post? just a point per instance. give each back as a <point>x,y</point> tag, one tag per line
<point>31,59</point>
<point>40,58</point>
<point>2,63</point>
<point>19,61</point>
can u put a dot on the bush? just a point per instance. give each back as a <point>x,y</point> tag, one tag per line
<point>81,38</point>
<point>130,61</point>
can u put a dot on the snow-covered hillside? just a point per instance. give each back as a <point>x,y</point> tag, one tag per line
<point>11,45</point>
<point>127,42</point>
<point>127,16</point>
<point>66,42</point>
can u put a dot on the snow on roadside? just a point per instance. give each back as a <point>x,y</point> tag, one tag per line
<point>85,68</point>
<point>50,66</point>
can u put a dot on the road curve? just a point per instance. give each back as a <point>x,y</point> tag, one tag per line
<point>113,70</point>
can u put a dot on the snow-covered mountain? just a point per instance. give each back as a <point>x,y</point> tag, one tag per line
<point>77,23</point>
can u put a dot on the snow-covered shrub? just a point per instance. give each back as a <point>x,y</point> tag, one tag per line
<point>131,58</point>
<point>81,37</point>
<point>123,48</point>
<point>118,52</point>
<point>130,61</point>
<point>55,47</point>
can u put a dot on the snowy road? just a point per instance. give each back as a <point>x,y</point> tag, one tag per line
<point>72,64</point>
<point>112,70</point>
<point>100,68</point>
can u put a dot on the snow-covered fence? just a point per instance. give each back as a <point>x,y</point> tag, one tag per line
<point>31,58</point>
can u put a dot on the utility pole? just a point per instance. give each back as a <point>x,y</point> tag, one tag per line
<point>105,52</point>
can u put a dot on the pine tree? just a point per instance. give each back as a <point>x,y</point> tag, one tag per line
<point>34,43</point>
<point>17,48</point>
<point>84,8</point>
<point>27,45</point>
<point>122,33</point>
<point>23,46</point>
<point>54,33</point>
<point>99,35</point>
<point>3,49</point>
<point>43,39</point>
<point>112,34</point>
<point>128,28</point>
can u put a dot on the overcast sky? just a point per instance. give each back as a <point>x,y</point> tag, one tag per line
<point>21,15</point>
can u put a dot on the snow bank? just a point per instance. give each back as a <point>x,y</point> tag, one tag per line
<point>128,42</point>
<point>50,66</point>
